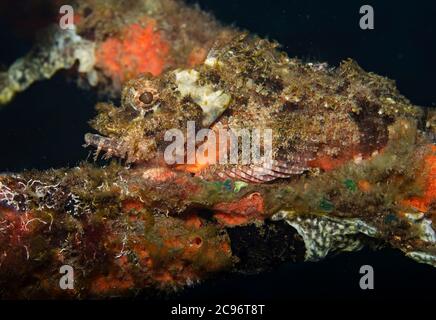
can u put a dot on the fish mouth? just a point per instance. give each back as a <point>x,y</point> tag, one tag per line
<point>130,150</point>
<point>110,146</point>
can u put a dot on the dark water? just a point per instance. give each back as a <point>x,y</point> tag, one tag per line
<point>44,127</point>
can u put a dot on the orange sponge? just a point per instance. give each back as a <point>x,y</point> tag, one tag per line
<point>139,48</point>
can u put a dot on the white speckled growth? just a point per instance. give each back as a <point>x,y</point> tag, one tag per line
<point>212,102</point>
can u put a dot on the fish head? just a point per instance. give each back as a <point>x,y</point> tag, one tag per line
<point>150,107</point>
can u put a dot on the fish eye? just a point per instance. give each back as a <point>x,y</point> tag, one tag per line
<point>146,97</point>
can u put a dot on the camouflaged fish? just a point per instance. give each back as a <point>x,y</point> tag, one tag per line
<point>318,115</point>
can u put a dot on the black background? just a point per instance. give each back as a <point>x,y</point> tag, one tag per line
<point>44,127</point>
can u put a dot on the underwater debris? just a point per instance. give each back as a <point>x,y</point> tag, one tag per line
<point>323,234</point>
<point>153,228</point>
<point>90,219</point>
<point>60,49</point>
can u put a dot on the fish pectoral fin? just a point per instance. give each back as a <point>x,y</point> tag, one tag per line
<point>266,172</point>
